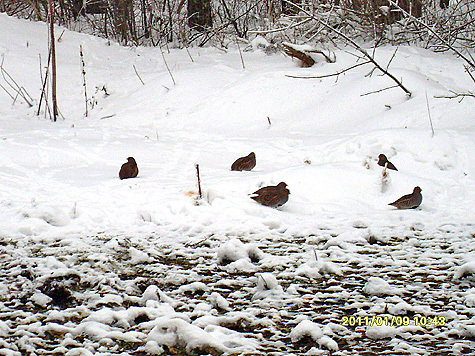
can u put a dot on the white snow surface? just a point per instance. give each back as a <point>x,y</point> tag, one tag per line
<point>94,265</point>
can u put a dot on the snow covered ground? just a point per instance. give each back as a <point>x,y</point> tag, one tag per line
<point>92,265</point>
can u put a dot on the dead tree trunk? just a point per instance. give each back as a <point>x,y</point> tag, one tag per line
<point>199,15</point>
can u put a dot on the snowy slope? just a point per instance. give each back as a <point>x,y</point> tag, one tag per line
<point>123,246</point>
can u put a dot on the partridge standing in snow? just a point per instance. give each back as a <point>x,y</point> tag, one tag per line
<point>129,169</point>
<point>383,162</point>
<point>273,195</point>
<point>244,163</point>
<point>409,201</point>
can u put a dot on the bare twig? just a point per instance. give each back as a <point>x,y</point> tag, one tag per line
<point>355,45</point>
<point>61,36</point>
<point>135,70</point>
<point>430,117</point>
<point>197,166</point>
<point>83,72</point>
<point>379,90</point>
<point>107,117</point>
<point>210,34</point>
<point>240,54</point>
<point>44,82</point>
<point>265,282</point>
<point>20,91</point>
<point>292,25</point>
<point>370,73</point>
<point>327,58</point>
<point>455,95</point>
<point>189,54</point>
<point>231,19</point>
<point>392,57</point>
<point>328,75</point>
<point>467,69</point>
<point>422,23</point>
<point>10,95</point>
<point>166,64</point>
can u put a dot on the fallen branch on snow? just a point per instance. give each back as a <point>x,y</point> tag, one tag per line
<point>455,95</point>
<point>302,53</point>
<point>328,75</point>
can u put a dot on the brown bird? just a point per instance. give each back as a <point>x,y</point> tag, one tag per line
<point>244,163</point>
<point>409,201</point>
<point>129,169</point>
<point>383,162</point>
<point>273,195</point>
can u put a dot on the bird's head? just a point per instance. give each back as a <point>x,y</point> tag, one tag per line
<point>382,157</point>
<point>282,186</point>
<point>131,160</point>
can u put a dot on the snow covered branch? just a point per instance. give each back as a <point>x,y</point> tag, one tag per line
<point>355,45</point>
<point>469,61</point>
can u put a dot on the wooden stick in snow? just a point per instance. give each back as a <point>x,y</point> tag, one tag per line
<point>199,180</point>
<point>166,64</point>
<point>83,72</point>
<point>53,61</point>
<point>43,89</point>
<point>240,54</point>
<point>20,91</point>
<point>430,117</point>
<point>135,69</point>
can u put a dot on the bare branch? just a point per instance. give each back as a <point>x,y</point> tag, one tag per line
<point>467,69</point>
<point>197,166</point>
<point>379,90</point>
<point>355,45</point>
<point>20,91</point>
<point>135,70</point>
<point>455,95</point>
<point>430,117</point>
<point>83,72</point>
<point>327,58</point>
<point>329,75</point>
<point>6,91</point>
<point>470,62</point>
<point>44,82</point>
<point>394,55</point>
<point>240,53</point>
<point>281,29</point>
<point>166,64</point>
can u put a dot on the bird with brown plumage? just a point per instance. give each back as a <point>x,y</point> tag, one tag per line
<point>129,169</point>
<point>409,201</point>
<point>244,163</point>
<point>272,195</point>
<point>383,162</point>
